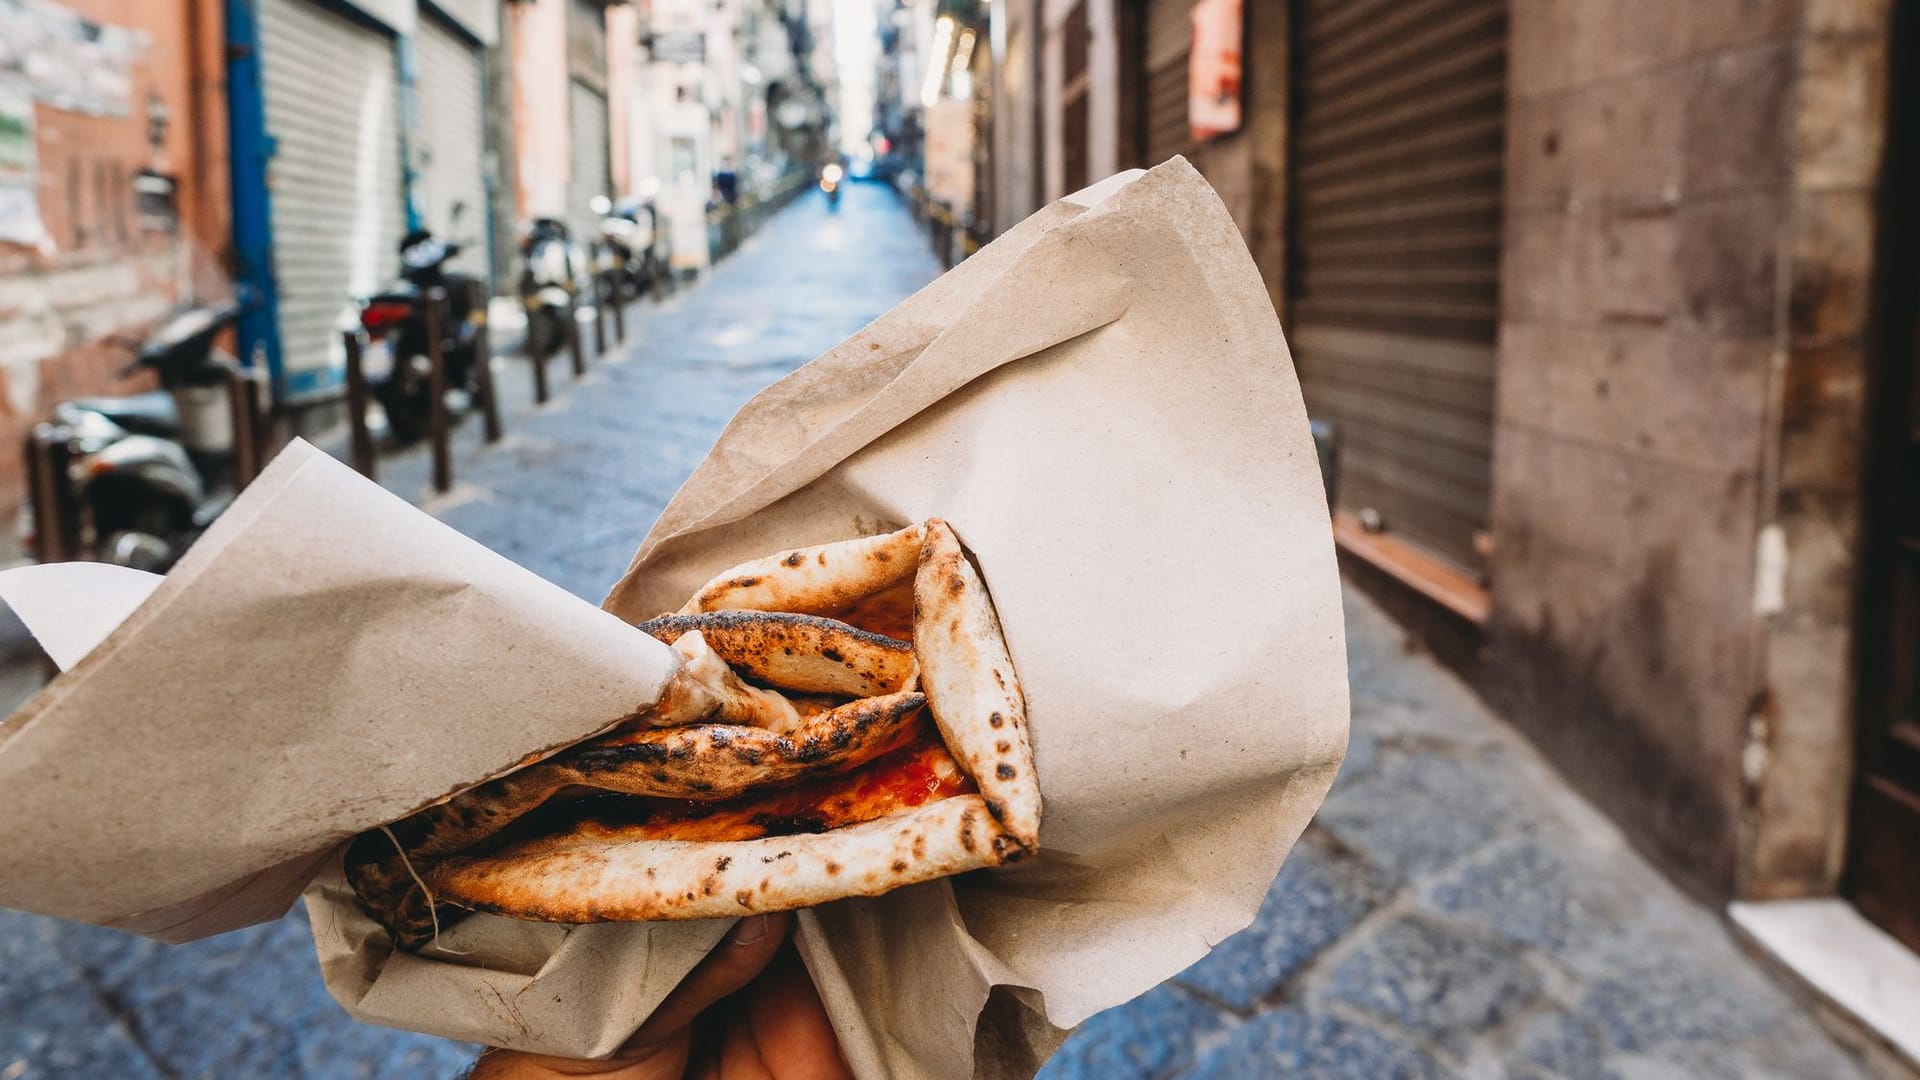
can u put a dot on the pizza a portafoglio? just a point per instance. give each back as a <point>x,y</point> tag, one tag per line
<point>845,720</point>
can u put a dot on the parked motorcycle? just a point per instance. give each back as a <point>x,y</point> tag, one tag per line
<point>831,179</point>
<point>397,318</point>
<point>553,269</point>
<point>152,470</point>
<point>633,248</point>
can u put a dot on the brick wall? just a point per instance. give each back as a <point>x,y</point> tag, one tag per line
<point>100,274</point>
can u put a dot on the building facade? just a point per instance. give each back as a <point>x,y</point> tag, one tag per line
<point>1611,307</point>
<point>113,193</point>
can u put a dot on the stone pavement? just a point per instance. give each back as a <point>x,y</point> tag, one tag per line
<point>1453,912</point>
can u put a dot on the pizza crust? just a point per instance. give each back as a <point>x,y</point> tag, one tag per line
<point>604,878</point>
<point>804,653</point>
<point>818,580</point>
<point>970,684</point>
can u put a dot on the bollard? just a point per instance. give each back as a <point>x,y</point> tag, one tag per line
<point>483,375</point>
<point>619,318</point>
<point>574,343</point>
<point>360,440</point>
<point>56,509</point>
<point>241,402</point>
<point>603,288</point>
<point>437,389</point>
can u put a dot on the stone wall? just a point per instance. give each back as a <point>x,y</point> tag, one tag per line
<point>1672,226</point>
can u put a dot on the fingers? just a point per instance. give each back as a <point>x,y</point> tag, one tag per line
<point>741,955</point>
<point>790,1029</point>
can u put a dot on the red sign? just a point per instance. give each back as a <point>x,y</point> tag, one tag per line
<point>1213,72</point>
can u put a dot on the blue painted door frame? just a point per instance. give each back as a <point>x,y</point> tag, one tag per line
<point>250,151</point>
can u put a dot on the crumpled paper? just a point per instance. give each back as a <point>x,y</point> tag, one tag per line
<point>1102,404</point>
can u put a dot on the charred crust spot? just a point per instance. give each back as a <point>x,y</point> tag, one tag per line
<point>834,655</point>
<point>821,558</point>
<point>996,719</point>
<point>919,847</point>
<point>794,559</point>
<point>1003,746</point>
<point>747,582</point>
<point>744,897</point>
<point>765,884</point>
<point>997,680</point>
<point>719,737</point>
<point>722,863</point>
<point>832,867</point>
<point>899,866</point>
<point>955,585</point>
<point>966,830</point>
<point>1005,771</point>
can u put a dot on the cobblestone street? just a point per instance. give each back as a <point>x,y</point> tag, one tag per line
<point>1454,911</point>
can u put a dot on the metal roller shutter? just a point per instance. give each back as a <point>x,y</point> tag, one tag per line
<point>332,108</point>
<point>1169,42</point>
<point>451,103</point>
<point>1075,132</point>
<point>1393,289</point>
<point>587,115</point>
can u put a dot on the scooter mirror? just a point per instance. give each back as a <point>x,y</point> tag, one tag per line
<point>600,204</point>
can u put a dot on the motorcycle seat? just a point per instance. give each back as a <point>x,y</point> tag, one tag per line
<point>150,413</point>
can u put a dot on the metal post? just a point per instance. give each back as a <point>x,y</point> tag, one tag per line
<point>538,356</point>
<point>253,388</point>
<point>56,512</point>
<point>619,317</point>
<point>603,288</point>
<point>483,372</point>
<point>437,389</point>
<point>246,447</point>
<point>360,439</point>
<point>573,337</point>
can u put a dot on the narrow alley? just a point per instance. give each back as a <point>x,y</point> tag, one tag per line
<point>1454,911</point>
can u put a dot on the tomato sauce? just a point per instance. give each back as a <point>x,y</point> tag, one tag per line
<point>912,776</point>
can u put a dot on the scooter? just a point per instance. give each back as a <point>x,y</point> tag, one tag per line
<point>397,317</point>
<point>152,470</point>
<point>553,271</point>
<point>831,178</point>
<point>633,247</point>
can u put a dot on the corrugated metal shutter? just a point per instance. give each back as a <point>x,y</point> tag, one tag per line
<point>451,125</point>
<point>1169,42</point>
<point>332,109</point>
<point>1395,248</point>
<point>587,115</point>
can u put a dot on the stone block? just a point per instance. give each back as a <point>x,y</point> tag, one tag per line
<point>1832,265</point>
<point>1540,275</point>
<point>1147,1037</point>
<point>1528,894</point>
<point>1418,811</point>
<point>1629,266</point>
<point>1539,153</point>
<point>1434,981</point>
<point>1625,139</point>
<point>1719,24</point>
<point>1322,893</point>
<point>1541,37</point>
<point>1639,388</point>
<point>1840,118</point>
<point>1729,259</point>
<point>71,1033</point>
<point>1314,1046</point>
<point>1623,38</point>
<point>1738,121</point>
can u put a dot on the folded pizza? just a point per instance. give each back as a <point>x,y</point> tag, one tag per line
<point>845,720</point>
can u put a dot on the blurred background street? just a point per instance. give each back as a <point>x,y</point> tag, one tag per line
<point>1605,313</point>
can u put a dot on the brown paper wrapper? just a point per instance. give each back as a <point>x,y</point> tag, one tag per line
<point>1102,404</point>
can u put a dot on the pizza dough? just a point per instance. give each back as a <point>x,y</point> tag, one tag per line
<point>796,758</point>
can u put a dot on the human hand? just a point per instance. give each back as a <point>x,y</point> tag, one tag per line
<point>747,1012</point>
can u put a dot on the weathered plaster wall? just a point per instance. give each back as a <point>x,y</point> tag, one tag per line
<point>99,273</point>
<point>1802,755</point>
